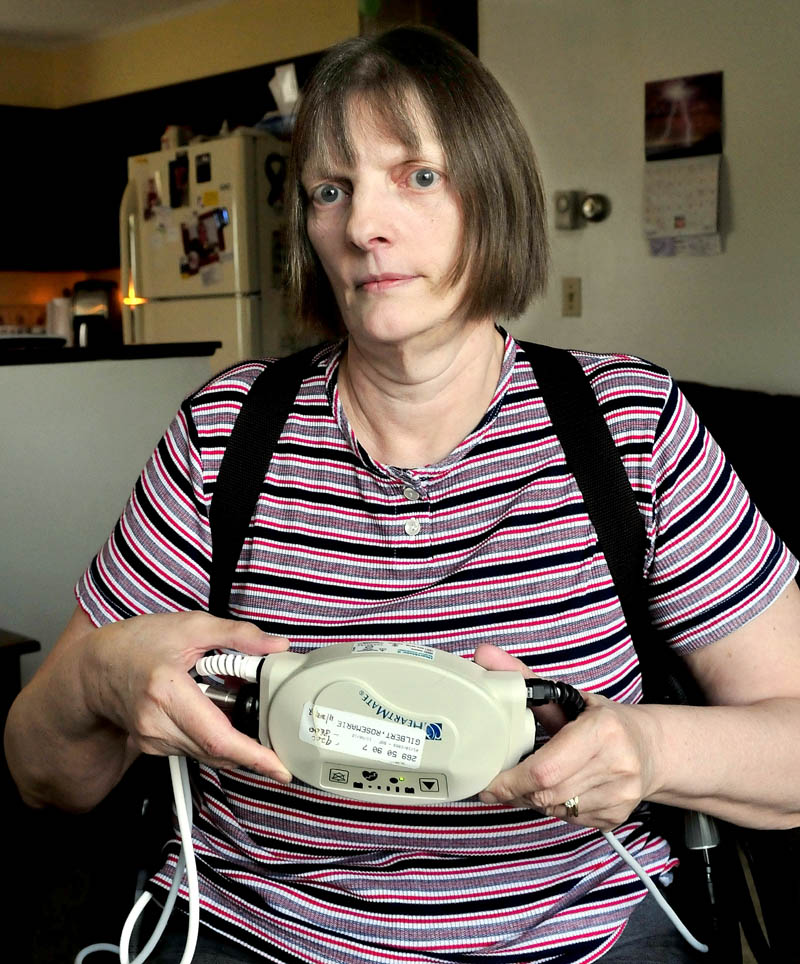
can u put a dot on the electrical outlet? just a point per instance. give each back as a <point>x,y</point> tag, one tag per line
<point>571,304</point>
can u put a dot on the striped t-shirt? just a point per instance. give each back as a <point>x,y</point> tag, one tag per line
<point>492,544</point>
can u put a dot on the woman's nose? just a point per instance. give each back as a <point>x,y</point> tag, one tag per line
<point>370,218</point>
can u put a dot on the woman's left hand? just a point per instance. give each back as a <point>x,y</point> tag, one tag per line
<point>603,762</point>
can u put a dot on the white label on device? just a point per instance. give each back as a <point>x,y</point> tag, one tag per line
<point>402,649</point>
<point>362,736</point>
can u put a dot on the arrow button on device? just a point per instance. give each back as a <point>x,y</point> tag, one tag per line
<point>429,784</point>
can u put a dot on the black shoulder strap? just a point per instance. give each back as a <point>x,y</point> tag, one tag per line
<point>592,458</point>
<point>244,466</point>
<point>589,450</point>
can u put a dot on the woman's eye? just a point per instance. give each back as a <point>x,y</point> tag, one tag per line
<point>326,194</point>
<point>424,177</point>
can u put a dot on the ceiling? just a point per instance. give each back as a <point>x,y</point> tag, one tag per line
<point>58,23</point>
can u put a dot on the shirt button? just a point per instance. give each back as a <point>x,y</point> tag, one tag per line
<point>410,493</point>
<point>412,527</point>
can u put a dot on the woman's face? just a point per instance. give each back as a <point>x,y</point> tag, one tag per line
<point>388,230</point>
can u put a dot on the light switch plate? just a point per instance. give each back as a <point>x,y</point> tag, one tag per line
<point>571,301</point>
<point>567,207</point>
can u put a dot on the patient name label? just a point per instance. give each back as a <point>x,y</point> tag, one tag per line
<point>362,737</point>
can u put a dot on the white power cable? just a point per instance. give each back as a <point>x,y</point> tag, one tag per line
<point>161,924</point>
<point>81,956</point>
<point>642,874</point>
<point>130,921</point>
<point>181,792</point>
<point>180,788</point>
<point>232,665</point>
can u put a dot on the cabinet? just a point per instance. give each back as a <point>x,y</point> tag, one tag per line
<point>27,186</point>
<point>64,171</point>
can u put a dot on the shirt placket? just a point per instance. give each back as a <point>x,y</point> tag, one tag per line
<point>415,515</point>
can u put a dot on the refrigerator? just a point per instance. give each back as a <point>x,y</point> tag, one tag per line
<point>202,247</point>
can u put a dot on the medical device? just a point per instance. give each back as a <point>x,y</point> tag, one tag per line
<point>393,722</point>
<point>398,723</point>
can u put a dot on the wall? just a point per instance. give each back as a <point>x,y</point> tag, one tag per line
<point>26,77</point>
<point>240,34</point>
<point>576,72</point>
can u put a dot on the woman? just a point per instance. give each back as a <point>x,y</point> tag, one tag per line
<point>418,493</point>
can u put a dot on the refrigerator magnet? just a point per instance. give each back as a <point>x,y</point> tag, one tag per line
<point>211,275</point>
<point>179,182</point>
<point>152,197</point>
<point>275,171</point>
<point>202,168</point>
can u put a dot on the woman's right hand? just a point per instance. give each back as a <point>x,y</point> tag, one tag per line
<point>135,674</point>
<point>104,695</point>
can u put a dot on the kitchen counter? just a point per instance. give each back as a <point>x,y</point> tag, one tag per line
<point>42,355</point>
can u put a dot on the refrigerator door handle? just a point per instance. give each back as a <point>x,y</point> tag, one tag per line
<point>130,280</point>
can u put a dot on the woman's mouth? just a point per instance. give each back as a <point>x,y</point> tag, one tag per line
<point>375,283</point>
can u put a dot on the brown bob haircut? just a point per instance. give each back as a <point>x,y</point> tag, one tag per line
<point>488,157</point>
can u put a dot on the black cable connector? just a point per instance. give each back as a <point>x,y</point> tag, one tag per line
<point>240,704</point>
<point>543,691</point>
<point>246,710</point>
